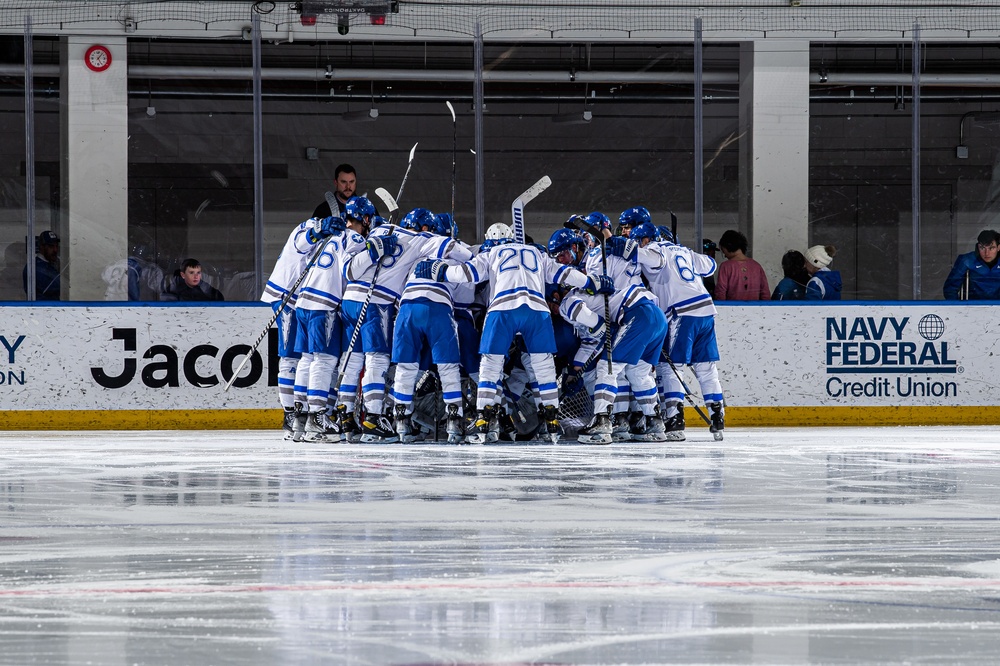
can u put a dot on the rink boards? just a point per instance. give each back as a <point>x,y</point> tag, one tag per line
<point>98,366</point>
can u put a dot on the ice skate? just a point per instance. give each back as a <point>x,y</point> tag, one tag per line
<point>319,428</point>
<point>288,423</point>
<point>348,424</point>
<point>549,415</point>
<point>718,415</point>
<point>299,426</point>
<point>619,427</point>
<point>652,428</point>
<point>378,429</point>
<point>508,431</point>
<point>636,425</point>
<point>485,428</point>
<point>456,426</point>
<point>673,426</point>
<point>404,426</point>
<point>598,431</point>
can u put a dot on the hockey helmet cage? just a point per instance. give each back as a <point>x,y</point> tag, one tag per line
<point>500,233</point>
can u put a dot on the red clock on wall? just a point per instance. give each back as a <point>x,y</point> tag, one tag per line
<point>98,58</point>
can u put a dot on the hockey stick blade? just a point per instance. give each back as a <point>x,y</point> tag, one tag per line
<point>536,189</point>
<point>578,222</point>
<point>331,201</point>
<point>387,199</point>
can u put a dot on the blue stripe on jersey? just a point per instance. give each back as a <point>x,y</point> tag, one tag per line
<point>557,278</point>
<point>518,290</point>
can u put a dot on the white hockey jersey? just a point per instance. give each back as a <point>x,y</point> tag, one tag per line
<point>323,287</point>
<point>432,290</point>
<point>674,273</point>
<point>291,262</point>
<point>392,278</point>
<point>517,275</point>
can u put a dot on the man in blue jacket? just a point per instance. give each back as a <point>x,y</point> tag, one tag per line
<point>47,282</point>
<point>982,269</point>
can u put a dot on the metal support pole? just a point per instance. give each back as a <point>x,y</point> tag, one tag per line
<point>29,156</point>
<point>478,101</point>
<point>699,142</point>
<point>915,111</point>
<point>258,160</point>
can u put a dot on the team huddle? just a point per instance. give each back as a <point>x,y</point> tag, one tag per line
<point>492,332</point>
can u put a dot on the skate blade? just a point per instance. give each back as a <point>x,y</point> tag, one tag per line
<point>476,439</point>
<point>603,440</point>
<point>718,435</point>
<point>675,436</point>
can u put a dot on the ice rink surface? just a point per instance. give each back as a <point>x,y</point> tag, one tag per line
<point>775,546</point>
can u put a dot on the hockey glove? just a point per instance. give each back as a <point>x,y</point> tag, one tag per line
<point>622,247</point>
<point>430,269</point>
<point>573,381</point>
<point>381,246</point>
<point>602,285</point>
<point>324,228</point>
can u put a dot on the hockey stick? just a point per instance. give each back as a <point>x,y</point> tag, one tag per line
<point>277,313</point>
<point>409,164</point>
<point>673,227</point>
<point>390,203</point>
<point>687,391</point>
<point>580,223</point>
<point>454,150</point>
<point>517,206</point>
<point>393,206</point>
<point>963,294</point>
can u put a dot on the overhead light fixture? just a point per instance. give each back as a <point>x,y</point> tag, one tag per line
<point>366,115</point>
<point>573,118</point>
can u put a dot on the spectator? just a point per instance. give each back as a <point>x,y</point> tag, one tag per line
<point>980,268</point>
<point>793,286</point>
<point>709,247</point>
<point>824,284</point>
<point>187,285</point>
<point>345,180</point>
<point>47,282</point>
<point>740,278</point>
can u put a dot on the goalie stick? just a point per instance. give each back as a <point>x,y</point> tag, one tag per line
<point>517,207</point>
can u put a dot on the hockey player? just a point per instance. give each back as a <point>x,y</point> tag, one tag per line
<point>674,273</point>
<point>320,330</point>
<point>396,249</point>
<point>517,275</point>
<point>291,263</point>
<point>426,319</point>
<point>635,347</point>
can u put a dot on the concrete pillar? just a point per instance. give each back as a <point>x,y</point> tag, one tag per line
<point>774,154</point>
<point>94,138</point>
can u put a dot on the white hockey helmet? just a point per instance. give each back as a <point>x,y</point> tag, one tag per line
<point>500,232</point>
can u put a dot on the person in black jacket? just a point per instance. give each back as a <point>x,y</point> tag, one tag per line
<point>187,285</point>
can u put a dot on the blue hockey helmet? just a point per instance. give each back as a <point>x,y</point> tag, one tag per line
<point>644,230</point>
<point>443,224</point>
<point>664,234</point>
<point>599,220</point>
<point>634,216</point>
<point>359,208</point>
<point>417,219</point>
<point>378,221</point>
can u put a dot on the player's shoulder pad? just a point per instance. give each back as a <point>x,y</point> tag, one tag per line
<point>594,251</point>
<point>355,237</point>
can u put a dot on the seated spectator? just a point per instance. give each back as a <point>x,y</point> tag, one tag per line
<point>976,275</point>
<point>47,280</point>
<point>793,286</point>
<point>187,285</point>
<point>740,278</point>
<point>824,284</point>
